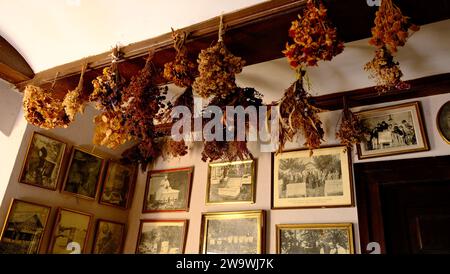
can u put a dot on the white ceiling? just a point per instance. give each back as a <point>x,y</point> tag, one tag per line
<point>53,32</point>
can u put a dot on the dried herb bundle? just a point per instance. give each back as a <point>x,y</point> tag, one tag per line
<point>217,68</point>
<point>74,101</point>
<point>108,89</point>
<point>314,36</point>
<point>297,115</point>
<point>42,109</point>
<point>110,130</point>
<point>173,149</point>
<point>181,71</point>
<point>391,28</point>
<point>351,130</point>
<point>143,153</point>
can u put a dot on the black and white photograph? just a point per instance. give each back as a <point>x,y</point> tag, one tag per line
<point>443,121</point>
<point>322,179</point>
<point>118,185</point>
<point>315,239</point>
<point>392,130</point>
<point>168,190</point>
<point>233,232</point>
<point>231,182</point>
<point>162,237</point>
<point>109,237</point>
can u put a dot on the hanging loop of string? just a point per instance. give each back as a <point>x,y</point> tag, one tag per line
<point>221,29</point>
<point>83,70</point>
<point>54,81</point>
<point>179,38</point>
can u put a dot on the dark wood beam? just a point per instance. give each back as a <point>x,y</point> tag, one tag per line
<point>13,67</point>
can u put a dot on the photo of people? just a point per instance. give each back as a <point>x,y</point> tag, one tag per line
<point>118,185</point>
<point>109,237</point>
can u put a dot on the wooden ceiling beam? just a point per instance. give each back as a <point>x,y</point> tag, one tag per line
<point>13,67</point>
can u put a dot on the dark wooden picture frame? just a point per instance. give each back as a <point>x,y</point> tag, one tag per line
<point>444,129</point>
<point>181,246</point>
<point>129,182</point>
<point>118,249</point>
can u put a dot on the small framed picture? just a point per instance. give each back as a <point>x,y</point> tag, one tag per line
<point>118,185</point>
<point>108,237</point>
<point>71,230</point>
<point>392,130</point>
<point>239,232</point>
<point>231,182</point>
<point>162,237</point>
<point>24,228</point>
<point>443,122</point>
<point>315,238</point>
<point>42,166</point>
<point>84,174</point>
<point>168,190</point>
<point>321,180</point>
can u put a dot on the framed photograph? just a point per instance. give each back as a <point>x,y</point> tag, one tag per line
<point>239,232</point>
<point>443,121</point>
<point>392,130</point>
<point>315,239</point>
<point>24,228</point>
<point>231,182</point>
<point>42,166</point>
<point>321,180</point>
<point>70,226</point>
<point>84,174</point>
<point>108,237</point>
<point>168,190</point>
<point>162,237</point>
<point>118,185</point>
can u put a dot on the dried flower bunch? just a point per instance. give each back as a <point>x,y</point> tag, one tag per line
<point>391,28</point>
<point>181,71</point>
<point>74,101</point>
<point>217,71</point>
<point>108,89</point>
<point>42,109</point>
<point>298,115</point>
<point>314,36</point>
<point>173,149</point>
<point>351,130</point>
<point>143,153</point>
<point>109,130</point>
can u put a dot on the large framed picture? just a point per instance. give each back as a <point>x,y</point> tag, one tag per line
<point>231,182</point>
<point>315,238</point>
<point>108,237</point>
<point>24,228</point>
<point>239,232</point>
<point>162,237</point>
<point>70,227</point>
<point>42,166</point>
<point>321,180</point>
<point>443,121</point>
<point>168,190</point>
<point>84,174</point>
<point>392,130</point>
<point>118,185</point>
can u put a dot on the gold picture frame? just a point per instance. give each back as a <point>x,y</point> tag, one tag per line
<point>392,130</point>
<point>24,227</point>
<point>323,179</point>
<point>75,228</point>
<point>109,237</point>
<point>85,180</point>
<point>330,238</point>
<point>118,185</point>
<point>219,228</point>
<point>443,122</point>
<point>165,230</point>
<point>43,161</point>
<point>239,187</point>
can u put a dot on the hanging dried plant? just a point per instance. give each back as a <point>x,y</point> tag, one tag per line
<point>173,149</point>
<point>143,153</point>
<point>42,109</point>
<point>391,28</point>
<point>351,131</point>
<point>297,115</point>
<point>74,101</point>
<point>181,71</point>
<point>314,36</point>
<point>109,130</point>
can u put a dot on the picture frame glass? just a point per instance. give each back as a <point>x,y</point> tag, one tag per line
<point>108,238</point>
<point>118,185</point>
<point>443,121</point>
<point>231,182</point>
<point>162,237</point>
<point>168,190</point>
<point>43,161</point>
<point>322,179</point>
<point>24,228</point>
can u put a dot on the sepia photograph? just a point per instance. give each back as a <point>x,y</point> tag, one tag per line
<point>231,182</point>
<point>118,185</point>
<point>162,237</point>
<point>318,180</point>
<point>168,190</point>
<point>42,166</point>
<point>108,237</point>
<point>83,174</point>
<point>70,226</point>
<point>392,130</point>
<point>315,239</point>
<point>443,121</point>
<point>233,232</point>
<point>24,228</point>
